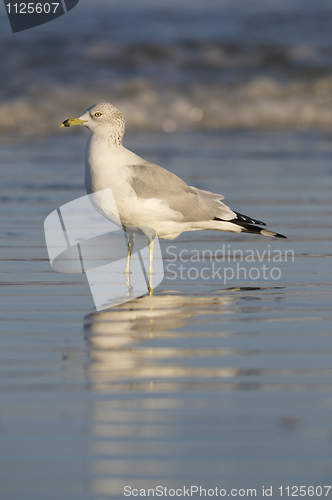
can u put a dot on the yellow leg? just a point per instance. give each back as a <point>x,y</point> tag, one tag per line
<point>130,251</point>
<point>128,283</point>
<point>151,246</point>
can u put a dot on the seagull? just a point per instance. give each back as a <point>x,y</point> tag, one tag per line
<point>147,196</point>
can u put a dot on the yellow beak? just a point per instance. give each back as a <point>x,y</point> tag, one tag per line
<point>72,121</point>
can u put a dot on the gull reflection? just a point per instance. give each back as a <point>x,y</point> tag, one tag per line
<point>146,355</point>
<point>147,339</point>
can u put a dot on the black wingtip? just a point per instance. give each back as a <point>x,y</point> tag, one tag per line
<point>248,220</point>
<point>249,227</point>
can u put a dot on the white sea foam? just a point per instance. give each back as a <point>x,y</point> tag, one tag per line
<point>172,76</point>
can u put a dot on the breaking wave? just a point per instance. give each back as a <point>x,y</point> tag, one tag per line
<point>170,85</point>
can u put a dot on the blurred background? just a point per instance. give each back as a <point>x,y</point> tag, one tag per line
<point>177,65</point>
<point>205,383</point>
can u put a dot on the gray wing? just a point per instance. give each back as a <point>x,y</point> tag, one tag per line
<point>151,181</point>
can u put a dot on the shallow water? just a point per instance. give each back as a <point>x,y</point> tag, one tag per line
<point>209,382</point>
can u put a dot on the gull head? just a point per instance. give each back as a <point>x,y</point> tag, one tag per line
<point>103,120</point>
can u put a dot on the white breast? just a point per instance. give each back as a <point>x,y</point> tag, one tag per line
<point>107,168</point>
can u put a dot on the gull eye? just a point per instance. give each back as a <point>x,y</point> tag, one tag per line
<point>98,114</point>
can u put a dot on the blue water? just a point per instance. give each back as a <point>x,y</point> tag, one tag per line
<point>206,383</point>
<point>253,65</point>
<point>214,381</point>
